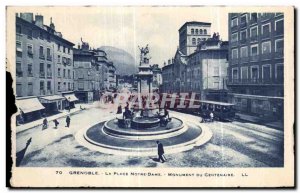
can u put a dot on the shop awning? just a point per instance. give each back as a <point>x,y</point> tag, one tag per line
<point>51,98</point>
<point>29,105</point>
<point>71,97</point>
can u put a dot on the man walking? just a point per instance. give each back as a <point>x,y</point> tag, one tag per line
<point>68,120</point>
<point>160,151</point>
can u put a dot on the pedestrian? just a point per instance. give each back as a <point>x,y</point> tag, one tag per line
<point>211,116</point>
<point>45,123</point>
<point>160,151</point>
<point>55,123</point>
<point>68,119</point>
<point>119,111</point>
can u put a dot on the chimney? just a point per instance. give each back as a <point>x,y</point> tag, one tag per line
<point>169,61</point>
<point>164,63</point>
<point>172,60</point>
<point>52,24</point>
<point>39,20</point>
<point>78,46</point>
<point>27,16</point>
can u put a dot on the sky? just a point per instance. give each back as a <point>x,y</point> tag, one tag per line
<point>130,27</point>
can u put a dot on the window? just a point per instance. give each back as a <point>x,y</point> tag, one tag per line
<point>244,52</point>
<point>19,89</point>
<point>194,41</point>
<point>69,74</point>
<point>49,86</point>
<point>266,47</point>
<point>58,72</point>
<point>254,72</point>
<point>29,35</point>
<point>69,50</point>
<point>198,41</point>
<point>42,88</point>
<point>254,50</point>
<point>19,71</point>
<point>80,86</point>
<point>279,72</point>
<point>19,46</point>
<point>58,59</point>
<point>64,73</point>
<point>266,29</point>
<point>234,37</point>
<point>49,71</point>
<point>279,45</point>
<point>29,49</point>
<point>58,47</point>
<point>29,70</point>
<point>254,31</point>
<point>192,31</point>
<point>64,49</point>
<point>69,86</point>
<point>204,31</point>
<point>18,29</point>
<point>253,17</point>
<point>266,71</point>
<point>42,70</point>
<point>201,31</point>
<point>279,27</point>
<point>196,31</point>
<point>59,86</point>
<point>41,52</point>
<point>243,36</point>
<point>48,54</point>
<point>244,73</point>
<point>234,53</point>
<point>30,89</point>
<point>65,86</point>
<point>235,75</point>
<point>243,19</point>
<point>216,71</point>
<point>41,35</point>
<point>234,22</point>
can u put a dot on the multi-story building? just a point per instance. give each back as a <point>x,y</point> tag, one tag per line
<point>191,34</point>
<point>36,67</point>
<point>111,75</point>
<point>256,62</point>
<point>206,70</point>
<point>102,61</point>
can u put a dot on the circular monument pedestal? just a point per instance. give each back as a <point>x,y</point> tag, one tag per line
<point>177,136</point>
<point>144,122</point>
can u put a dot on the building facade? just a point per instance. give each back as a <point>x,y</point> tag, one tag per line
<point>255,73</point>
<point>37,65</point>
<point>191,33</point>
<point>157,77</point>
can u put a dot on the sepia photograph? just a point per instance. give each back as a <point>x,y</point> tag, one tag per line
<point>146,96</point>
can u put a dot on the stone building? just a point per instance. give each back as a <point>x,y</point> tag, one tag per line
<point>112,84</point>
<point>40,52</point>
<point>190,35</point>
<point>256,63</point>
<point>157,77</point>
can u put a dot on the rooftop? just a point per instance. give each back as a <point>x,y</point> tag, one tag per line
<point>194,23</point>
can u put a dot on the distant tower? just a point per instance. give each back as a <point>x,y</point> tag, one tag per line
<point>190,35</point>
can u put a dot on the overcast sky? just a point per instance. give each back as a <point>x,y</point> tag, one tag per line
<point>128,27</point>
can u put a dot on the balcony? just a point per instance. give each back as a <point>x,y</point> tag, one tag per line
<point>30,74</point>
<point>30,53</point>
<point>49,91</point>
<point>244,59</point>
<point>42,92</point>
<point>49,75</point>
<point>243,24</point>
<point>234,61</point>
<point>243,41</point>
<point>254,58</point>
<point>253,81</point>
<point>42,74</point>
<point>279,32</point>
<point>254,38</point>
<point>266,56</point>
<point>234,28</point>
<point>265,17</point>
<point>42,56</point>
<point>279,53</point>
<point>49,58</point>
<point>234,43</point>
<point>18,36</point>
<point>253,21</point>
<point>266,35</point>
<point>234,15</point>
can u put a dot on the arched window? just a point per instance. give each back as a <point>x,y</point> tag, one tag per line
<point>197,31</point>
<point>192,30</point>
<point>198,40</point>
<point>194,41</point>
<point>201,31</point>
<point>204,31</point>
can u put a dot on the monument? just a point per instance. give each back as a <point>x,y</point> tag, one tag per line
<point>145,74</point>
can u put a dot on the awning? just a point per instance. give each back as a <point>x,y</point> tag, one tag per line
<point>29,105</point>
<point>51,98</point>
<point>71,97</point>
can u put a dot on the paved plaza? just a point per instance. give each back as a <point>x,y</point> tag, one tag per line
<point>234,144</point>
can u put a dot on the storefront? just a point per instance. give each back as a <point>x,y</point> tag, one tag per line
<point>70,101</point>
<point>29,109</point>
<point>52,104</point>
